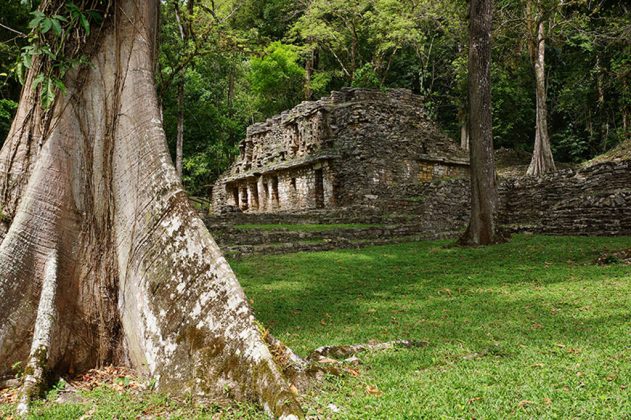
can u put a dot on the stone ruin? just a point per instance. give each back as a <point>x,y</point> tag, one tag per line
<point>342,150</point>
<point>374,158</point>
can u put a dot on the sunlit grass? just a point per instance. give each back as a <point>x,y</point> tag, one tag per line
<point>530,328</point>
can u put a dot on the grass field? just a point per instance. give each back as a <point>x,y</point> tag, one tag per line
<point>530,328</point>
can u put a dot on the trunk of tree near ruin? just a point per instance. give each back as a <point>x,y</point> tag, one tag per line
<point>179,144</point>
<point>102,259</point>
<point>185,29</point>
<point>482,229</point>
<point>542,160</point>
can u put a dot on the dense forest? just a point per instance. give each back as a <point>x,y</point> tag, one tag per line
<point>225,64</point>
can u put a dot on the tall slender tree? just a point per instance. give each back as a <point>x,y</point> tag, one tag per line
<point>482,229</point>
<point>536,20</point>
<point>185,29</point>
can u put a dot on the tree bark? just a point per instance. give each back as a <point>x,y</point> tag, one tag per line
<point>542,160</point>
<point>482,229</point>
<point>309,68</point>
<point>102,258</point>
<point>179,144</point>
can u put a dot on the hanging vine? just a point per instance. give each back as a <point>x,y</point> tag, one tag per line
<point>59,32</point>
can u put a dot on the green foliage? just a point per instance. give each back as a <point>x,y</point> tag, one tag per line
<point>54,47</point>
<point>569,146</point>
<point>7,111</point>
<point>246,62</point>
<point>366,77</point>
<point>15,16</point>
<point>277,78</point>
<point>513,105</point>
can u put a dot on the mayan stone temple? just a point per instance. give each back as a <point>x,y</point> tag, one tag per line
<point>349,148</point>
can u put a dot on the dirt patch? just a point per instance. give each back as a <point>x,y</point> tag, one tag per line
<point>618,257</point>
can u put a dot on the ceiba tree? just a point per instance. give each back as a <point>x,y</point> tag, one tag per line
<point>102,259</point>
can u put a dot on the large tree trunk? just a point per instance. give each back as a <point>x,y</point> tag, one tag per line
<point>482,229</point>
<point>542,160</point>
<point>102,259</point>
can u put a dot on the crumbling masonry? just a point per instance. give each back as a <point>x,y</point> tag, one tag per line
<point>342,150</point>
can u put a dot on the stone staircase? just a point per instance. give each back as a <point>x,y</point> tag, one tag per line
<point>244,235</point>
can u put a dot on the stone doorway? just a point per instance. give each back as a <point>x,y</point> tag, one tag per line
<point>319,188</point>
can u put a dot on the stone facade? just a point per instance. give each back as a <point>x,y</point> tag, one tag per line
<point>342,150</point>
<point>594,200</point>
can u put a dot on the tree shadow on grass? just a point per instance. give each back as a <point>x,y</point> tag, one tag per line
<point>531,290</point>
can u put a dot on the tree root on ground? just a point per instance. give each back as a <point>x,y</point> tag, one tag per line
<point>34,374</point>
<point>351,350</point>
<point>302,372</point>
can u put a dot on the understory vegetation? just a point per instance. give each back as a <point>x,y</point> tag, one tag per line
<point>226,64</point>
<point>530,328</point>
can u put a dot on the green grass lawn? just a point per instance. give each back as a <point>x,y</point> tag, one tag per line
<point>304,227</point>
<point>530,328</point>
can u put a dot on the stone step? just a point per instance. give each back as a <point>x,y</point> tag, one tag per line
<point>252,236</point>
<point>238,251</point>
<point>355,215</point>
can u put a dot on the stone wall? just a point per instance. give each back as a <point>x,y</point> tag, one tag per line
<point>595,200</point>
<point>591,201</point>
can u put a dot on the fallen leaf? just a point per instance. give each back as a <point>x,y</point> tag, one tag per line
<point>538,365</point>
<point>293,389</point>
<point>524,403</point>
<point>474,399</point>
<point>352,372</point>
<point>537,326</point>
<point>373,390</point>
<point>548,401</point>
<point>327,360</point>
